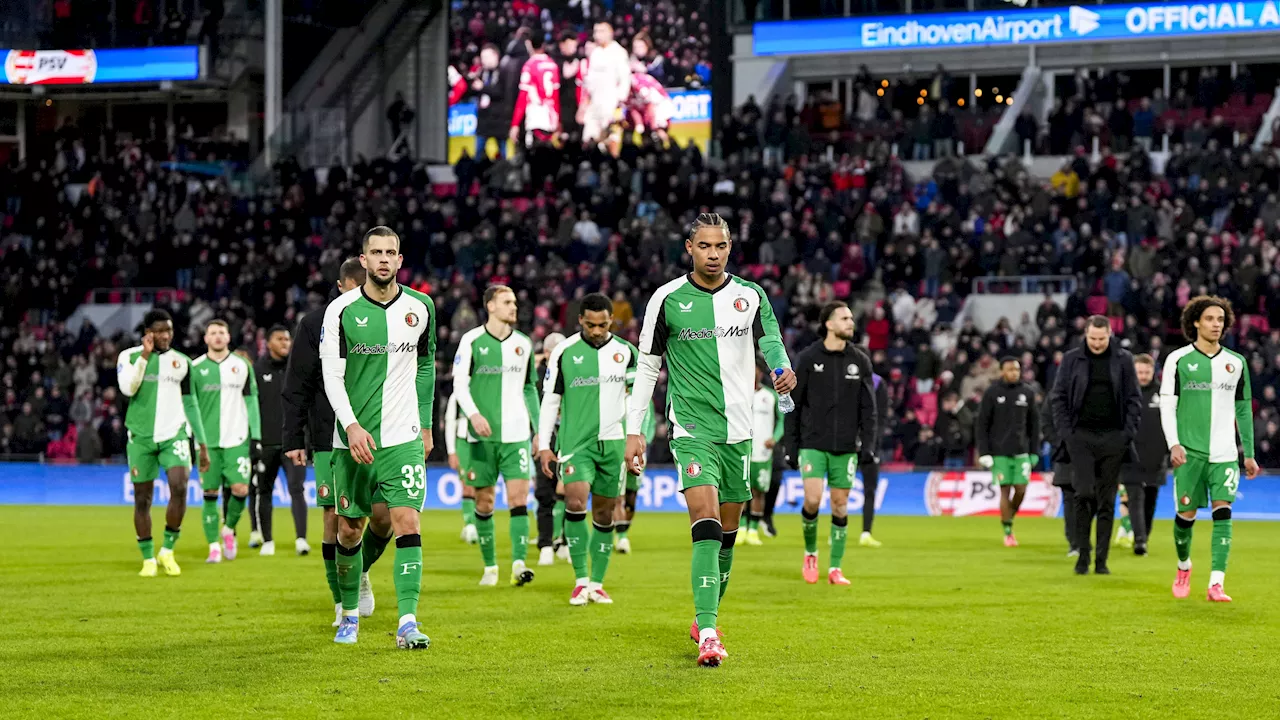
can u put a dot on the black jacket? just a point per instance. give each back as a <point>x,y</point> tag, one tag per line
<point>304,404</point>
<point>1069,388</point>
<point>835,402</point>
<point>882,421</point>
<point>1153,452</point>
<point>270,374</point>
<point>1057,448</point>
<point>1008,421</point>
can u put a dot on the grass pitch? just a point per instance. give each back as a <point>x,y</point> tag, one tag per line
<point>942,622</point>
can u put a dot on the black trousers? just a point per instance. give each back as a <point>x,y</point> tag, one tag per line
<point>1062,479</point>
<point>264,483</point>
<point>1096,458</point>
<point>771,496</point>
<point>870,481</point>
<point>1142,508</point>
<point>544,491</point>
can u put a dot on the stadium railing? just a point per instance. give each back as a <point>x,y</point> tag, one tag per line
<point>1024,284</point>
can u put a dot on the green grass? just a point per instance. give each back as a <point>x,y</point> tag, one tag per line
<point>942,622</point>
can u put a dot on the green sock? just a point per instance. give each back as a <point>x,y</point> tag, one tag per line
<point>575,534</point>
<point>726,562</point>
<point>235,506</point>
<point>1221,544</point>
<point>1182,538</point>
<point>706,581</point>
<point>148,548</point>
<point>839,536</point>
<point>330,553</point>
<point>810,525</point>
<point>1126,523</point>
<point>484,528</point>
<point>601,550</point>
<point>1008,528</point>
<point>557,518</point>
<point>349,565</point>
<point>468,511</point>
<point>408,573</point>
<point>209,519</point>
<point>170,538</point>
<point>519,533</point>
<point>753,522</point>
<point>373,545</point>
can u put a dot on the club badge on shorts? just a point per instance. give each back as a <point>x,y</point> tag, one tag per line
<point>344,502</point>
<point>693,470</point>
<point>324,491</point>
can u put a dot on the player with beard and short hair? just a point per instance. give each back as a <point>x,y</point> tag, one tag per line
<point>1008,435</point>
<point>157,380</point>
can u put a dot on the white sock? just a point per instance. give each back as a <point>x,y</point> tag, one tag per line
<point>164,551</point>
<point>407,618</point>
<point>517,565</point>
<point>364,576</point>
<point>704,633</point>
<point>1217,577</point>
<point>1184,564</point>
<point>592,586</point>
<point>338,607</point>
<point>351,613</point>
<point>866,533</point>
<point>214,546</point>
<point>582,582</point>
<point>490,569</point>
<point>811,554</point>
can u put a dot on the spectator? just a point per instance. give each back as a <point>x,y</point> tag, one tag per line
<point>955,428</point>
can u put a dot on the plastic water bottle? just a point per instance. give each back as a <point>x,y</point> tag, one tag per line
<point>785,403</point>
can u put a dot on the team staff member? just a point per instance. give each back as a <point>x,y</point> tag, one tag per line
<point>869,464</point>
<point>306,413</point>
<point>1097,406</point>
<point>1007,434</point>
<point>270,371</point>
<point>835,418</point>
<point>1061,475</point>
<point>547,489</point>
<point>1143,478</point>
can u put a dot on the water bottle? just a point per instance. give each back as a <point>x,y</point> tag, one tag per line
<point>785,403</point>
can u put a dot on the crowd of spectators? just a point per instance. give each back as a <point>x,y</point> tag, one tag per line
<point>810,225</point>
<point>67,24</point>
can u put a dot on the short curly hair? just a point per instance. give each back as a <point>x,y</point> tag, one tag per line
<point>1194,309</point>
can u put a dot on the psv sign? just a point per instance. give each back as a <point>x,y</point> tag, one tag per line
<point>966,492</point>
<point>50,67</point>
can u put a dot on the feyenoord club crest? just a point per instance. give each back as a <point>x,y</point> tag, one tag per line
<point>617,357</point>
<point>808,467</point>
<point>1186,500</point>
<point>519,351</point>
<point>471,475</point>
<point>176,364</point>
<point>741,304</point>
<point>694,469</point>
<point>568,470</point>
<point>1230,368</point>
<point>324,491</point>
<point>134,471</point>
<point>344,502</point>
<point>235,369</point>
<point>411,320</point>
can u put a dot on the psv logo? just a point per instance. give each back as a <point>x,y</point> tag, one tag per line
<point>741,305</point>
<point>693,470</point>
<point>411,320</point>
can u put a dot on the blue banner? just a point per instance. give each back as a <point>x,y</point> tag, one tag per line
<point>951,492</point>
<point>85,67</point>
<point>691,106</point>
<point>1014,27</point>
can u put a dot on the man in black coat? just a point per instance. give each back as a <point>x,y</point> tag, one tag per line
<point>270,373</point>
<point>1097,406</point>
<point>1143,478</point>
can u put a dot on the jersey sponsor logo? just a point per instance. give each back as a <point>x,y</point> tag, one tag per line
<point>216,387</point>
<point>362,322</point>
<point>617,357</point>
<point>593,380</point>
<point>1202,386</point>
<point>498,369</point>
<point>382,348</point>
<point>819,367</point>
<point>741,305</point>
<point>712,333</point>
<point>153,377</point>
<point>411,320</point>
<point>694,469</point>
<point>685,307</point>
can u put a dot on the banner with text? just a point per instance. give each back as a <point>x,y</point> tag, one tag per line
<point>94,67</point>
<point>986,28</point>
<point>952,492</point>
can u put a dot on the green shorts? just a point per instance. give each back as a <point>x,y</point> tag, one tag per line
<point>633,483</point>
<point>725,467</point>
<point>1011,470</point>
<point>146,456</point>
<point>463,451</point>
<point>490,459</point>
<point>1199,482</point>
<point>323,460</point>
<point>761,474</point>
<point>601,464</point>
<point>398,477</point>
<point>838,468</point>
<point>227,466</point>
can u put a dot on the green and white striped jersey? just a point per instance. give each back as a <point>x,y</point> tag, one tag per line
<point>587,386</point>
<point>161,406</point>
<point>709,338</point>
<point>227,394</point>
<point>496,379</point>
<point>378,363</point>
<point>1203,399</point>
<point>766,422</point>
<point>455,424</point>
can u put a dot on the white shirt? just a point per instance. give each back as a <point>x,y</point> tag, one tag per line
<point>608,73</point>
